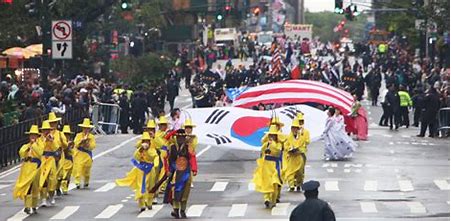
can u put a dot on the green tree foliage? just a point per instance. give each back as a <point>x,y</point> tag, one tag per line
<point>324,23</point>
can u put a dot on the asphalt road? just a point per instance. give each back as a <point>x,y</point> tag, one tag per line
<point>393,176</point>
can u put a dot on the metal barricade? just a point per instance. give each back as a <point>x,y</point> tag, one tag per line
<point>443,121</point>
<point>105,118</point>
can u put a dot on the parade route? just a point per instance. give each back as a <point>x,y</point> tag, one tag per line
<point>392,176</point>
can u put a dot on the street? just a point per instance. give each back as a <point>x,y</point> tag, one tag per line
<point>392,176</point>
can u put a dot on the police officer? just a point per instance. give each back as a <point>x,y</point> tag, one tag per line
<point>312,209</point>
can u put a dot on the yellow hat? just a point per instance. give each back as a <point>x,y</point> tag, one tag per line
<point>53,118</point>
<point>276,121</point>
<point>295,123</point>
<point>46,125</point>
<point>188,123</point>
<point>33,130</point>
<point>86,123</point>
<point>273,130</point>
<point>162,120</point>
<point>66,129</point>
<point>146,136</point>
<point>300,116</point>
<point>151,124</point>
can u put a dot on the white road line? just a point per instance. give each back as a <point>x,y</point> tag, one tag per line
<point>347,170</point>
<point>387,135</point>
<point>281,209</point>
<point>105,188</point>
<point>416,207</point>
<point>442,184</point>
<point>368,207</point>
<point>71,186</point>
<point>66,212</point>
<point>251,186</point>
<point>9,172</point>
<point>391,143</point>
<point>203,151</point>
<point>237,210</point>
<point>405,185</point>
<point>330,170</point>
<point>353,165</point>
<point>331,186</point>
<point>370,185</point>
<point>124,201</point>
<point>3,186</point>
<point>115,147</point>
<point>196,210</point>
<point>151,213</point>
<point>219,186</point>
<point>334,164</point>
<point>109,211</point>
<point>307,166</point>
<point>19,216</point>
<point>405,136</point>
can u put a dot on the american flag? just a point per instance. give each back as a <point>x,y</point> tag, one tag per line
<point>276,61</point>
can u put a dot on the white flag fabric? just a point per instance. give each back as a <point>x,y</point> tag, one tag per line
<point>239,128</point>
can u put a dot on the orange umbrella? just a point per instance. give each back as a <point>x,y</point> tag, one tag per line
<point>19,52</point>
<point>36,48</point>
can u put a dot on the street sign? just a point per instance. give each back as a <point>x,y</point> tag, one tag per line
<point>62,39</point>
<point>62,49</point>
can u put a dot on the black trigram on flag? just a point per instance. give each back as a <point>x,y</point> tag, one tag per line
<point>216,116</point>
<point>290,112</point>
<point>220,139</point>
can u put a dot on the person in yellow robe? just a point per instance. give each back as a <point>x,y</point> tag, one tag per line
<point>27,184</point>
<point>305,137</point>
<point>192,141</point>
<point>142,177</point>
<point>162,149</point>
<point>267,176</point>
<point>149,128</point>
<point>279,125</point>
<point>48,177</point>
<point>84,144</point>
<point>68,160</point>
<point>293,163</point>
<point>62,145</point>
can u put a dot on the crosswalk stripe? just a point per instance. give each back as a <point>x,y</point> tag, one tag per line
<point>66,212</point>
<point>105,188</point>
<point>3,186</point>
<point>331,186</point>
<point>330,170</point>
<point>416,207</point>
<point>405,185</point>
<point>195,210</point>
<point>237,210</point>
<point>281,209</point>
<point>109,211</point>
<point>251,186</point>
<point>442,184</point>
<point>368,207</point>
<point>150,213</point>
<point>19,216</point>
<point>219,186</point>
<point>370,185</point>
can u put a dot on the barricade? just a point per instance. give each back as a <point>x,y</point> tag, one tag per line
<point>443,122</point>
<point>13,137</point>
<point>105,118</point>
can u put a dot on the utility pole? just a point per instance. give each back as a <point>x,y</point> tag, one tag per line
<point>300,12</point>
<point>44,14</point>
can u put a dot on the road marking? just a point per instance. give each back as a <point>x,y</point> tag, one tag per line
<point>392,151</point>
<point>370,185</point>
<point>331,186</point>
<point>353,165</point>
<point>330,165</point>
<point>281,209</point>
<point>307,166</point>
<point>387,135</point>
<point>442,184</point>
<point>237,210</point>
<point>330,170</point>
<point>196,210</point>
<point>3,186</point>
<point>368,207</point>
<point>150,213</point>
<point>405,185</point>
<point>391,143</point>
<point>124,201</point>
<point>19,216</point>
<point>115,147</point>
<point>66,212</point>
<point>416,207</point>
<point>405,136</point>
<point>251,186</point>
<point>219,186</point>
<point>107,187</point>
<point>109,211</point>
<point>203,151</point>
<point>71,186</point>
<point>9,172</point>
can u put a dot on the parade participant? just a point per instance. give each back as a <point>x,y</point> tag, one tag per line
<point>312,209</point>
<point>267,176</point>
<point>191,138</point>
<point>149,128</point>
<point>183,166</point>
<point>48,178</point>
<point>162,148</point>
<point>279,125</point>
<point>337,146</point>
<point>142,177</point>
<point>61,141</point>
<point>27,184</point>
<point>359,116</point>
<point>68,160</point>
<point>84,144</point>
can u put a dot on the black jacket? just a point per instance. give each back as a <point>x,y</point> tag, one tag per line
<point>312,209</point>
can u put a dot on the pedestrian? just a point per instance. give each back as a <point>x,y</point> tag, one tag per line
<point>393,106</point>
<point>405,103</point>
<point>27,184</point>
<point>124,120</point>
<point>418,105</point>
<point>429,113</point>
<point>173,91</point>
<point>312,209</point>
<point>84,144</point>
<point>139,110</point>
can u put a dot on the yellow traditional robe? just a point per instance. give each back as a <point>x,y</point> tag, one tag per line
<point>266,174</point>
<point>29,171</point>
<point>82,159</point>
<point>48,163</point>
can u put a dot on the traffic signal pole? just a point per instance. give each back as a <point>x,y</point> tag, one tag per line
<point>44,14</point>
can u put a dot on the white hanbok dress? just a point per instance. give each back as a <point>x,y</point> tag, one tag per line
<point>338,145</point>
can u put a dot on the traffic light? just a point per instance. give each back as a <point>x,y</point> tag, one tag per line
<point>8,2</point>
<point>219,17</point>
<point>338,6</point>
<point>125,5</point>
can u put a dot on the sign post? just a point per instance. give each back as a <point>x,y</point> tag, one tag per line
<point>62,39</point>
